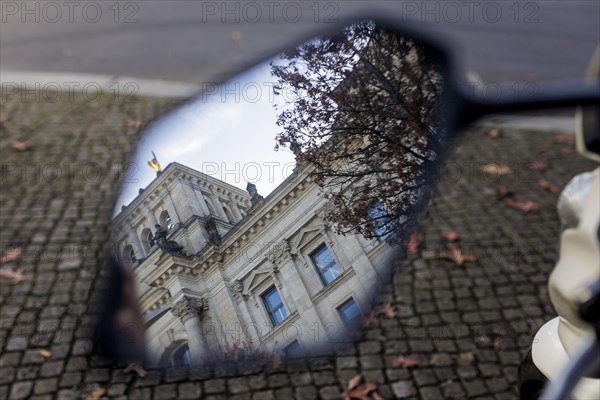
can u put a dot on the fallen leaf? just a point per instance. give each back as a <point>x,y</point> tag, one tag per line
<point>96,394</point>
<point>371,319</point>
<point>457,257</point>
<point>502,192</point>
<point>495,169</point>
<point>567,150</point>
<point>526,207</point>
<point>133,124</point>
<point>15,276</point>
<point>137,368</point>
<point>450,235</point>
<point>22,146</point>
<point>376,396</point>
<point>363,390</point>
<point>388,310</point>
<point>544,184</point>
<point>540,166</point>
<point>496,344</point>
<point>10,255</point>
<point>412,247</point>
<point>352,383</point>
<point>465,358</point>
<point>494,133</point>
<point>360,392</point>
<point>404,362</point>
<point>565,138</point>
<point>45,353</point>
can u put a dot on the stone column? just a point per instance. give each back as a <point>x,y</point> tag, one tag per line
<point>235,210</point>
<point>138,249</point>
<point>202,201</point>
<point>150,215</point>
<point>188,309</point>
<point>218,207</point>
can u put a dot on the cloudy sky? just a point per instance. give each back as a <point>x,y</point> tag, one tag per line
<point>228,134</point>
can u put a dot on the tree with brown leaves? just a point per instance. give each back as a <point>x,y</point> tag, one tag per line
<point>362,113</point>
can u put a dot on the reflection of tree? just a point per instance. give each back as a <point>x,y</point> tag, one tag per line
<point>364,116</point>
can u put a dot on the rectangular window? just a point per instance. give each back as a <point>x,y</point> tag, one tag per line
<point>379,222</point>
<point>325,263</point>
<point>350,313</point>
<point>293,350</point>
<point>274,306</point>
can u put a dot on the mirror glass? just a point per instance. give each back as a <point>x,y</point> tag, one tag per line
<point>256,222</point>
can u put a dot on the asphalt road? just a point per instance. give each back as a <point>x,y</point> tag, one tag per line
<point>197,42</point>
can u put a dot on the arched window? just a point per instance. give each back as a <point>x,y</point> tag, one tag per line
<point>129,254</point>
<point>176,354</point>
<point>166,221</point>
<point>147,239</point>
<point>181,356</point>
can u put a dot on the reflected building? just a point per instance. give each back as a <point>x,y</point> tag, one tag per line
<point>234,270</point>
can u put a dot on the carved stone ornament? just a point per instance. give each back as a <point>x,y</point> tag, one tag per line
<point>279,252</point>
<point>169,246</point>
<point>189,307</point>
<point>236,288</point>
<point>255,197</point>
<point>214,237</point>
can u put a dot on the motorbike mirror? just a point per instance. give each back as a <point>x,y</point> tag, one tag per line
<point>235,251</point>
<point>224,250</point>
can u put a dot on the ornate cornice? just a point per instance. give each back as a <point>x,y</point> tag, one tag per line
<point>236,288</point>
<point>254,224</point>
<point>189,307</point>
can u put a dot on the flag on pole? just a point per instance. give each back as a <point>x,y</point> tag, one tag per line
<point>154,164</point>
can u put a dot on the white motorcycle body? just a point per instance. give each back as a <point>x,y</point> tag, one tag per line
<point>577,268</point>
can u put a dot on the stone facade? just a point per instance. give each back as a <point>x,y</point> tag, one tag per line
<point>268,273</point>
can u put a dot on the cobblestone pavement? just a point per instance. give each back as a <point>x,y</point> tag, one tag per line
<point>467,326</point>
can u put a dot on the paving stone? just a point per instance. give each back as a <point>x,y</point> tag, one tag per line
<point>278,380</point>
<point>140,394</point>
<point>329,392</point>
<point>45,386</point>
<point>346,362</point>
<point>263,395</point>
<point>238,385</point>
<point>284,393</point>
<point>371,362</point>
<point>257,381</point>
<point>190,390</point>
<point>69,379</point>
<point>117,389</point>
<point>453,390</point>
<point>16,343</point>
<point>474,388</point>
<point>165,392</point>
<point>324,378</point>
<point>403,389</point>
<point>214,386</point>
<point>430,392</point>
<point>28,372</point>
<point>305,393</point>
<point>21,390</point>
<point>497,384</point>
<point>301,379</point>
